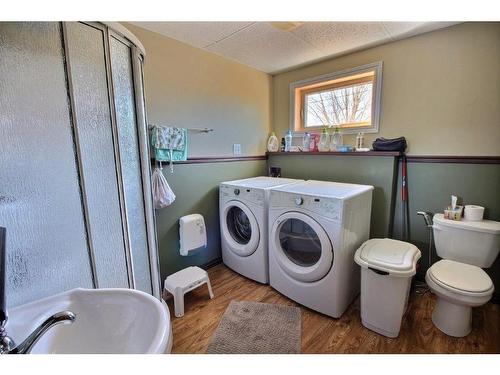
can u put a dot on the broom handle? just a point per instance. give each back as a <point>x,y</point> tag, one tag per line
<point>404,199</point>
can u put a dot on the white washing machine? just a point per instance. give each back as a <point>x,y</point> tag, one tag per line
<point>243,224</point>
<point>315,228</point>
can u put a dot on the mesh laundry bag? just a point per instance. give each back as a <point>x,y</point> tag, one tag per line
<point>163,195</point>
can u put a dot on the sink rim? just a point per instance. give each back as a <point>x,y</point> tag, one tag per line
<point>161,342</point>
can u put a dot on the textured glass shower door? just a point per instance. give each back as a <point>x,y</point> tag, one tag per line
<point>40,200</point>
<point>128,140</point>
<point>87,75</point>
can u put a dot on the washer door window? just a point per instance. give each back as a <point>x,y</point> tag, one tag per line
<point>301,247</point>
<point>240,228</point>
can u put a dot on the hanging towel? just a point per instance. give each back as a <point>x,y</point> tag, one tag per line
<point>169,143</point>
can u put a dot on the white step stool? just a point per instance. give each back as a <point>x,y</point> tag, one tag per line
<point>185,281</point>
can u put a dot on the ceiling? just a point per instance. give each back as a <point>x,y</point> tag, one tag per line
<point>274,47</point>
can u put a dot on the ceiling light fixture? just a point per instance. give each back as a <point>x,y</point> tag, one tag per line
<point>286,26</point>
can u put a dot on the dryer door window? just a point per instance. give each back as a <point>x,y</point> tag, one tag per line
<point>301,247</point>
<point>240,228</point>
<point>300,243</point>
<point>239,225</point>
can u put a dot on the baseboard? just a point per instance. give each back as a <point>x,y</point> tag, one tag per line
<point>211,264</point>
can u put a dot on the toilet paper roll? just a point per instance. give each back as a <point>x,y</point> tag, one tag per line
<point>473,213</point>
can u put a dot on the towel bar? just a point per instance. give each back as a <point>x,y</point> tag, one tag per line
<point>198,130</point>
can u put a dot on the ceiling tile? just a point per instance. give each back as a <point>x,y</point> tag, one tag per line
<point>266,48</point>
<point>399,30</point>
<point>197,34</point>
<point>269,49</point>
<point>338,37</point>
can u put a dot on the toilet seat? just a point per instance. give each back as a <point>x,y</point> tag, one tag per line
<point>460,278</point>
<point>459,287</point>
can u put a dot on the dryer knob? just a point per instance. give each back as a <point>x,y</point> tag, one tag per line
<point>299,201</point>
<point>236,191</point>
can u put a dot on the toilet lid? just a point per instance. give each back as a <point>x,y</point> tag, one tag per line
<point>485,226</point>
<point>461,276</point>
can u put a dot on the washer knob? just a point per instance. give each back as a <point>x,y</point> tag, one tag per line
<point>299,201</point>
<point>236,191</point>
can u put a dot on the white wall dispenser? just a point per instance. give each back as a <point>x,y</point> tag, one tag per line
<point>192,233</point>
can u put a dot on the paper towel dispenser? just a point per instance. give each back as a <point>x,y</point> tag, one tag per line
<point>192,233</point>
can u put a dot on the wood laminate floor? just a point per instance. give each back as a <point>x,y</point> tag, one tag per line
<point>322,334</point>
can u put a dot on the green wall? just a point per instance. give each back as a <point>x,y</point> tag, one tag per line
<point>196,188</point>
<point>377,171</point>
<point>430,186</point>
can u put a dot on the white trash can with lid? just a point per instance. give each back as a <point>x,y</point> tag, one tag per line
<point>387,267</point>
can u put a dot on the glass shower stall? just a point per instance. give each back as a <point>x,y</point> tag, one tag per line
<point>75,192</point>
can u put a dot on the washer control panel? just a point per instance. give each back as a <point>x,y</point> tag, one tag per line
<point>256,196</point>
<point>328,207</point>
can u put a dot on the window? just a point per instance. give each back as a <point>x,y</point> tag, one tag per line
<point>349,99</point>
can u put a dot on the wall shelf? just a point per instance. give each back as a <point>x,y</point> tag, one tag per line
<point>366,153</point>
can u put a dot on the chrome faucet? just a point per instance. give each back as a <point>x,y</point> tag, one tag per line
<point>7,345</point>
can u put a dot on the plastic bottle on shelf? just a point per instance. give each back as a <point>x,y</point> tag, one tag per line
<point>288,141</point>
<point>360,139</point>
<point>313,143</point>
<point>324,141</point>
<point>336,141</point>
<point>273,143</point>
<point>306,141</point>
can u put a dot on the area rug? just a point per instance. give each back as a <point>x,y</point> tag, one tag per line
<point>257,328</point>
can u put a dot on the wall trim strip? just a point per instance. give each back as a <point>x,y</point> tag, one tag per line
<point>409,158</point>
<point>453,159</point>
<point>218,159</point>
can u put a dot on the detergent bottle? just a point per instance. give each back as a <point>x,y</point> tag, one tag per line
<point>273,143</point>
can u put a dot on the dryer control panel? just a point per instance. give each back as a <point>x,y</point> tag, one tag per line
<point>256,196</point>
<point>328,207</point>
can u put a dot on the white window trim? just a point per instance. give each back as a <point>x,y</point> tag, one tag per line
<point>376,66</point>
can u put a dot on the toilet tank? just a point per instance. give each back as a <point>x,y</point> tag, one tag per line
<point>471,242</point>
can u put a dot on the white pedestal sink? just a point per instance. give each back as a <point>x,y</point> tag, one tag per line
<point>107,321</point>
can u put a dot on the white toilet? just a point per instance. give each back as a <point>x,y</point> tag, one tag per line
<point>458,280</point>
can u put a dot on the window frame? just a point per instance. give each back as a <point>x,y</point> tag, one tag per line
<point>298,116</point>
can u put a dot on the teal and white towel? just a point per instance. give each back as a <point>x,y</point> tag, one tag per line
<point>169,143</point>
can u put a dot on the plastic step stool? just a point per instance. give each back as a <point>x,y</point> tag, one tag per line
<point>183,281</point>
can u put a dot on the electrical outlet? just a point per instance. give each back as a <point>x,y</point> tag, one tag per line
<point>236,149</point>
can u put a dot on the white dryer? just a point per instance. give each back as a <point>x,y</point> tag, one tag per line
<point>315,228</point>
<point>243,224</point>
